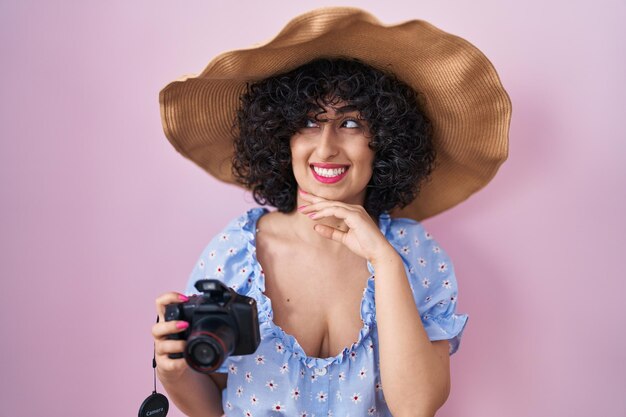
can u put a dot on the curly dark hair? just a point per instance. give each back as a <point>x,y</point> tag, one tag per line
<point>274,109</point>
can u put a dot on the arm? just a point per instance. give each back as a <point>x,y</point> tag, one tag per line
<point>194,393</point>
<point>415,372</point>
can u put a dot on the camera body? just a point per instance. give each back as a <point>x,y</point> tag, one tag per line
<point>221,323</point>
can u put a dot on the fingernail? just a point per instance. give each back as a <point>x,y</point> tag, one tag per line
<point>183,297</point>
<point>301,207</point>
<point>182,325</point>
<point>312,214</point>
<point>302,191</point>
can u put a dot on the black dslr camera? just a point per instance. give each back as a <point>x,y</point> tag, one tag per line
<point>221,323</point>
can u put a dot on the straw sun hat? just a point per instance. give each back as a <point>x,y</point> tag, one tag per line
<point>469,109</point>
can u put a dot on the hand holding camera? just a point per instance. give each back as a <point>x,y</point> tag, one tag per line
<point>205,328</point>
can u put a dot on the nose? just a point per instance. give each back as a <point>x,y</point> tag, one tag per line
<point>327,143</point>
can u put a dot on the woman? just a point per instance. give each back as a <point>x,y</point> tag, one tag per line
<point>349,299</point>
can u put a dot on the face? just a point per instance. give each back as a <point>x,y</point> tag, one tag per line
<point>331,157</point>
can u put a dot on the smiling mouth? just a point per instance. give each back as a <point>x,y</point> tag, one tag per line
<point>329,174</point>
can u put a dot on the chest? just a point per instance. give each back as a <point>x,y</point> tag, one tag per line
<point>315,298</point>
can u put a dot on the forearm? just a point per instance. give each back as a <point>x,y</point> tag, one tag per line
<point>413,376</point>
<point>195,394</point>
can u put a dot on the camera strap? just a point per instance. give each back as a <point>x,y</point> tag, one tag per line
<point>156,405</point>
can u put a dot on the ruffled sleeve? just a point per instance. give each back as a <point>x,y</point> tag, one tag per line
<point>432,279</point>
<point>227,259</point>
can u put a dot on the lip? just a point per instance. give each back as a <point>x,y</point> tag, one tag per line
<point>331,180</point>
<point>328,166</point>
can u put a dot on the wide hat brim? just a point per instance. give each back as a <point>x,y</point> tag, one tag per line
<point>460,90</point>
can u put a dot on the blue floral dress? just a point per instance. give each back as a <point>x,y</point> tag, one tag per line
<point>279,378</point>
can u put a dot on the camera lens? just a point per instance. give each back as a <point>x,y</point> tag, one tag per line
<point>203,353</point>
<point>211,341</point>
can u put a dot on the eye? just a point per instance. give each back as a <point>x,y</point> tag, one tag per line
<point>310,123</point>
<point>351,124</point>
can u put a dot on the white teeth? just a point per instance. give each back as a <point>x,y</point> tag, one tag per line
<point>329,173</point>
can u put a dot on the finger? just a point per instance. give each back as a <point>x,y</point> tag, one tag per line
<point>336,211</point>
<point>324,204</point>
<point>166,347</point>
<point>329,232</point>
<point>162,329</point>
<point>168,298</point>
<point>169,366</point>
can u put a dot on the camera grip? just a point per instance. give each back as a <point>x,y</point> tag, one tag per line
<point>172,312</point>
<point>179,355</point>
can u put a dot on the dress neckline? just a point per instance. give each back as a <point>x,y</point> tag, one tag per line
<point>289,342</point>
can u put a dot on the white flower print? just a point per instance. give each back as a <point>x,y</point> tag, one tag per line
<point>330,414</point>
<point>442,303</point>
<point>425,282</point>
<point>231,251</point>
<point>371,411</point>
<point>229,405</point>
<point>243,271</point>
<point>284,368</point>
<point>411,270</point>
<point>313,377</point>
<point>249,377</point>
<point>239,391</point>
<point>260,360</point>
<point>406,250</point>
<point>247,413</point>
<point>428,236</point>
<point>446,284</point>
<point>280,348</point>
<point>201,264</point>
<point>378,386</point>
<point>271,385</point>
<point>219,271</point>
<point>295,393</point>
<point>339,396</point>
<point>356,397</point>
<point>232,369</point>
<point>427,299</point>
<point>371,346</point>
<point>426,317</point>
<point>443,267</point>
<point>341,376</point>
<point>301,373</point>
<point>321,396</point>
<point>303,414</point>
<point>353,356</point>
<point>224,237</point>
<point>402,232</point>
<point>362,373</point>
<point>254,400</point>
<point>422,262</point>
<point>436,249</point>
<point>416,241</point>
<point>453,299</point>
<point>278,407</point>
<point>212,254</point>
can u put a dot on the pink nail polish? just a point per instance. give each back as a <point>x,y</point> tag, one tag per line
<point>302,191</point>
<point>301,207</point>
<point>182,325</point>
<point>312,214</point>
<point>183,297</point>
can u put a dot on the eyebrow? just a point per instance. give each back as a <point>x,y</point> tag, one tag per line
<point>349,108</point>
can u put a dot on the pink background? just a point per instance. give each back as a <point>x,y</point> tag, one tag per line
<point>99,214</point>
